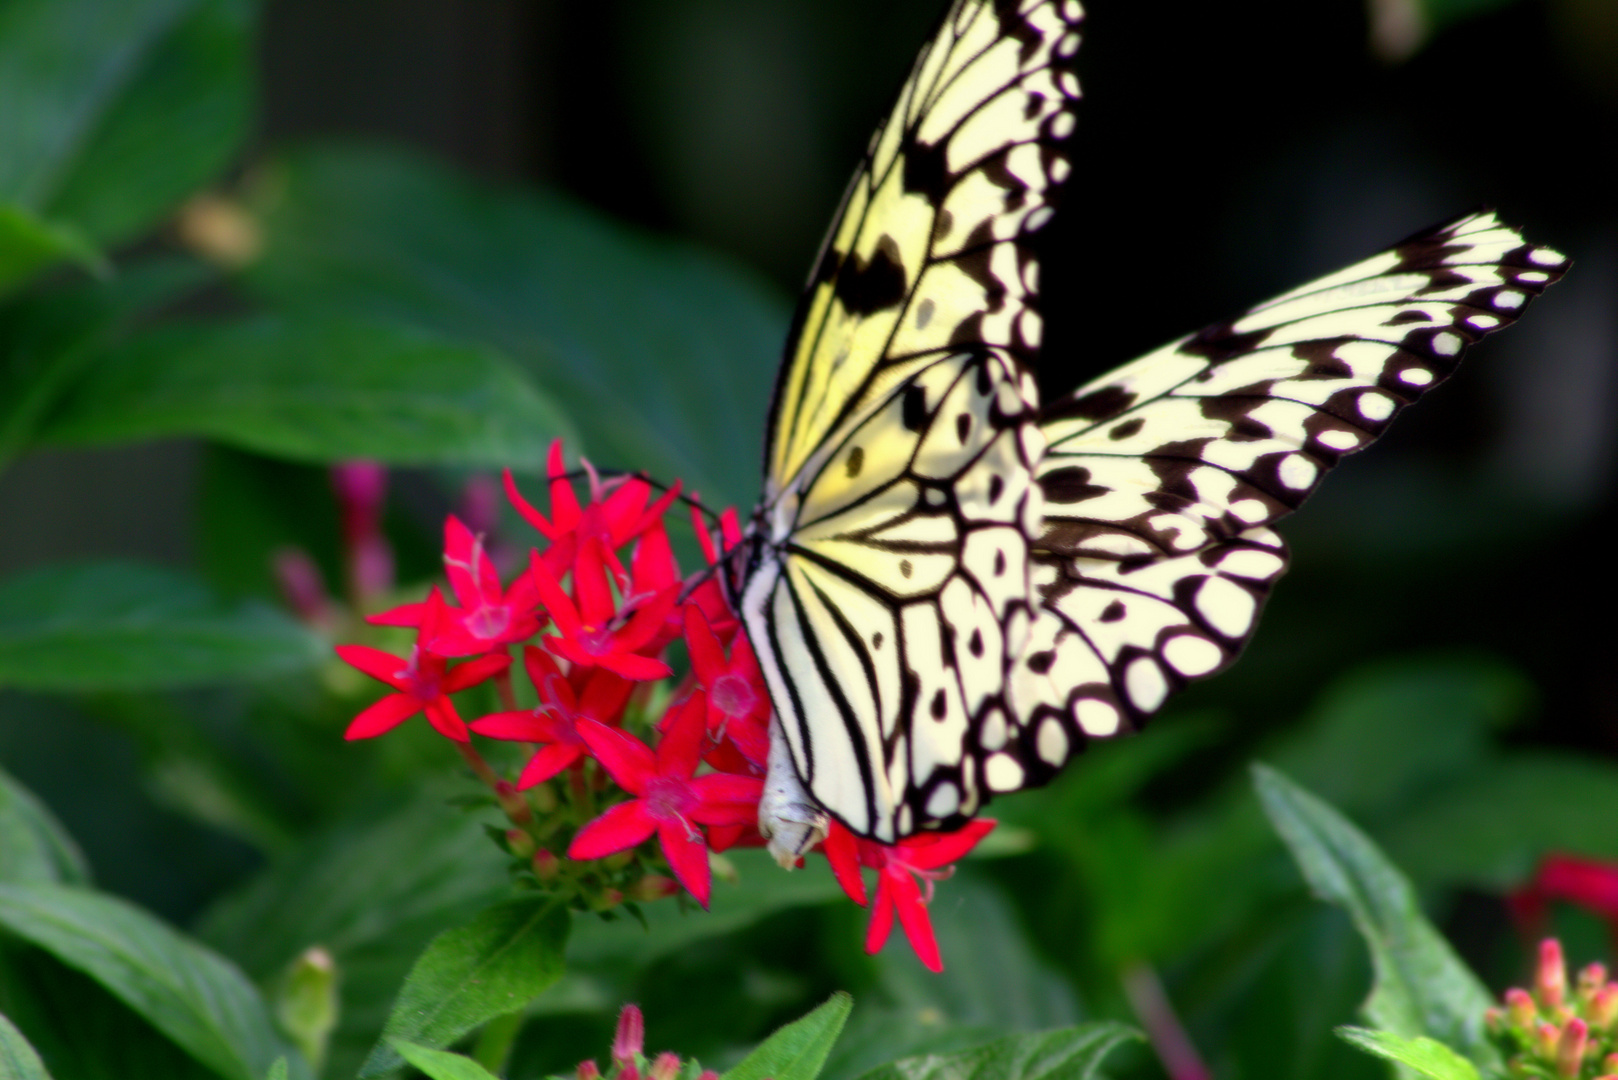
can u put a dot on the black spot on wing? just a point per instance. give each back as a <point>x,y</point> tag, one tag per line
<point>1070,485</point>
<point>913,409</point>
<point>1220,343</point>
<point>1101,404</point>
<point>865,288</point>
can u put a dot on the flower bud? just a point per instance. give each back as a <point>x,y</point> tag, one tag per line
<point>520,843</point>
<point>1603,1010</point>
<point>665,1066</point>
<point>543,796</point>
<point>588,1070</point>
<point>306,1002</point>
<point>1494,1020</point>
<point>1547,1037</point>
<point>1592,977</point>
<point>1610,1064</point>
<point>1550,977</point>
<point>1520,1007</point>
<point>546,865</point>
<point>1570,1048</point>
<point>653,887</point>
<point>629,1040</point>
<point>512,802</point>
<point>708,1074</point>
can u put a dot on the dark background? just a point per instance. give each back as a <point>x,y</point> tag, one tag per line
<point>1226,151</point>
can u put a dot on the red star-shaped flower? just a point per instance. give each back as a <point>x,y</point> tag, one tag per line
<point>590,634</point>
<point>554,721</point>
<point>927,856</point>
<point>489,616</point>
<point>422,683</point>
<point>670,800</point>
<point>738,701</point>
<point>613,517</point>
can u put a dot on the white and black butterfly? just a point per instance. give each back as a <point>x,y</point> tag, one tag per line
<point>951,585</point>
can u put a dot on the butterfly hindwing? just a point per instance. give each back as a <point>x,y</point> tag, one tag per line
<point>1162,477</point>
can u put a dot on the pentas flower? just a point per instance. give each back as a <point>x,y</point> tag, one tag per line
<point>671,801</point>
<point>554,721</point>
<point>738,712</point>
<point>360,487</point>
<point>422,682</point>
<point>1555,1030</point>
<point>924,856</point>
<point>637,795</point>
<point>629,1055</point>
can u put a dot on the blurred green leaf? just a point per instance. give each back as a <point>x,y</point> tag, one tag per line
<point>662,354</point>
<point>278,1071</point>
<point>993,985</point>
<point>440,1064</point>
<point>48,336</point>
<point>314,390</point>
<point>1489,828</point>
<point>29,244</point>
<point>18,1061</point>
<point>112,113</point>
<point>192,995</point>
<point>33,844</point>
<point>100,626</point>
<point>1421,988</point>
<point>81,1031</point>
<point>372,890</point>
<point>1074,1053</point>
<point>1427,1056</point>
<point>798,1050</point>
<point>495,965</point>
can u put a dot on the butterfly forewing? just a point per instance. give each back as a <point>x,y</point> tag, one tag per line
<point>1162,477</point>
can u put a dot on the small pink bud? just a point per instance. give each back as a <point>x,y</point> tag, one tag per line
<point>588,1070</point>
<point>546,865</point>
<point>1603,1009</point>
<point>1610,1062</point>
<point>512,802</point>
<point>653,887</point>
<point>628,1072</point>
<point>302,587</point>
<point>1550,977</point>
<point>1547,1037</point>
<point>1570,1049</point>
<point>1520,1007</point>
<point>708,1074</point>
<point>1494,1020</point>
<point>520,843</point>
<point>1592,977</point>
<point>630,1039</point>
<point>665,1066</point>
<point>480,504</point>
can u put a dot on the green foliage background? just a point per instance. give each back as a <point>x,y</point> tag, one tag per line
<point>180,726</point>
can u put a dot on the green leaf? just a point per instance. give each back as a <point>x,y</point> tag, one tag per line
<point>1427,1056</point>
<point>106,626</point>
<point>114,113</point>
<point>798,1050</point>
<point>661,353</point>
<point>33,844</point>
<point>314,390</point>
<point>374,891</point>
<point>278,1071</point>
<point>18,1061</point>
<point>495,965</point>
<point>1074,1053</point>
<point>193,996</point>
<point>28,244</point>
<point>1421,988</point>
<point>441,1064</point>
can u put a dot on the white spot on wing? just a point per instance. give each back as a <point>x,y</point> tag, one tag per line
<point>1338,439</point>
<point>1446,344</point>
<point>1191,655</point>
<point>1096,717</point>
<point>944,801</point>
<point>1415,376</point>
<point>1003,773</point>
<point>1144,682</point>
<point>1052,741</point>
<point>1297,472</point>
<point>1374,406</point>
<point>1228,607</point>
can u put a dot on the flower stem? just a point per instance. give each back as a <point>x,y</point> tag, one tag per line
<point>1156,1014</point>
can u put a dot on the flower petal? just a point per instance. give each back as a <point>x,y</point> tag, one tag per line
<point>383,666</point>
<point>446,721</point>
<point>381,716</point>
<point>929,851</point>
<point>548,762</point>
<point>688,857</point>
<point>564,503</point>
<point>843,853</point>
<point>630,666</point>
<point>605,695</point>
<point>620,828</point>
<point>556,601</point>
<point>523,726</point>
<point>680,748</point>
<point>590,586</point>
<point>527,509</point>
<point>707,655</point>
<point>473,672</point>
<point>716,788</point>
<point>629,761</point>
<point>918,927</point>
<point>876,935</point>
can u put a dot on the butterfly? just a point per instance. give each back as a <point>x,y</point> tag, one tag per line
<point>951,586</point>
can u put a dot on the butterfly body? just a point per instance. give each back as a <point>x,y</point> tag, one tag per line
<point>952,586</point>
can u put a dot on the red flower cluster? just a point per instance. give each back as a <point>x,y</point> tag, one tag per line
<point>590,616</point>
<point>1558,1029</point>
